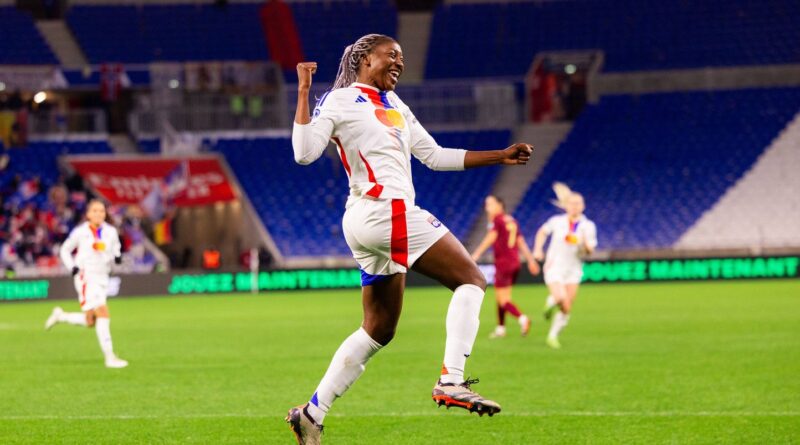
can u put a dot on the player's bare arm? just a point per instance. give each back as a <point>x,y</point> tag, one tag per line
<point>487,241</point>
<point>533,265</point>
<point>515,154</point>
<point>305,71</point>
<point>587,247</point>
<point>538,245</point>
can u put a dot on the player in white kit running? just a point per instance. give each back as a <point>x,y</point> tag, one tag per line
<point>572,237</point>
<point>97,245</point>
<point>376,134</point>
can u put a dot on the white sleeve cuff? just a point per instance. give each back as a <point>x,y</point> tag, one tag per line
<point>451,159</point>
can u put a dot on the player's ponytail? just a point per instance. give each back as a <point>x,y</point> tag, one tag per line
<point>563,192</point>
<point>352,56</point>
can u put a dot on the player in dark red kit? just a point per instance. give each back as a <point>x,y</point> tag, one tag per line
<point>507,243</point>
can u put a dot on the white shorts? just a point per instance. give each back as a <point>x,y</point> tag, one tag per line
<point>92,290</point>
<point>564,275</point>
<point>387,236</point>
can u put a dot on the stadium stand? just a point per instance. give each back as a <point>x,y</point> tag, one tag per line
<point>762,209</point>
<point>22,43</point>
<point>302,206</point>
<point>326,28</point>
<point>28,161</point>
<point>39,206</point>
<point>650,166</point>
<point>649,35</point>
<point>132,34</point>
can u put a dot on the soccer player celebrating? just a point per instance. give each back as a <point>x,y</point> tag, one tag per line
<point>507,243</point>
<point>572,237</point>
<point>376,134</point>
<point>97,244</point>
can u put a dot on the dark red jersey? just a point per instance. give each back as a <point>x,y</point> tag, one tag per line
<point>506,254</point>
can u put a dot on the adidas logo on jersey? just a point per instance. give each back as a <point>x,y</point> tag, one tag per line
<point>360,99</point>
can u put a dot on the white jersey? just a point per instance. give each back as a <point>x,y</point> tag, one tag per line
<point>96,249</point>
<point>566,240</point>
<point>375,134</point>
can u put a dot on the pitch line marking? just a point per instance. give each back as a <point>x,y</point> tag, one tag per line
<point>416,414</point>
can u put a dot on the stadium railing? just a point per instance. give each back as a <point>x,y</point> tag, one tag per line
<point>92,120</point>
<point>452,104</point>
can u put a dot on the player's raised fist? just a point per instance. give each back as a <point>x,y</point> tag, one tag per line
<point>518,154</point>
<point>305,70</point>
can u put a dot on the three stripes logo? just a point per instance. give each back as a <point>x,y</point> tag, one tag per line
<point>360,99</point>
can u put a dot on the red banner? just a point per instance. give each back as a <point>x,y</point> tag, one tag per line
<point>187,182</point>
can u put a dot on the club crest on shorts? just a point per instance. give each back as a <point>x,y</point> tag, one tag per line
<point>434,222</point>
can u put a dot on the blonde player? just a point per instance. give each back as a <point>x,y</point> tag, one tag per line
<point>376,135</point>
<point>572,237</point>
<point>97,245</point>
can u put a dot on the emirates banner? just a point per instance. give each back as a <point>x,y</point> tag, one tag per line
<point>181,182</point>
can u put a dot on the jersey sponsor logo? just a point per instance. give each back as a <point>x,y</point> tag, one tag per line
<point>385,111</point>
<point>316,114</point>
<point>390,118</point>
<point>434,222</point>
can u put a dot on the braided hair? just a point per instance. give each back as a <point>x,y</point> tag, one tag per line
<point>353,54</point>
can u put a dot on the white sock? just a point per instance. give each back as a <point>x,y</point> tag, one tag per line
<point>500,330</point>
<point>550,301</point>
<point>346,366</point>
<point>523,319</point>
<point>76,318</point>
<point>103,329</point>
<point>462,328</point>
<point>559,321</point>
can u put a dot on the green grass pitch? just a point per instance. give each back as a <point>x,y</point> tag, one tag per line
<point>695,363</point>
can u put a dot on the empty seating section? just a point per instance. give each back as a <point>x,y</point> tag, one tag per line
<point>39,158</point>
<point>302,206</point>
<point>479,40</point>
<point>22,43</point>
<point>467,40</point>
<point>148,33</point>
<point>326,28</point>
<point>650,166</point>
<point>143,34</point>
<point>762,210</point>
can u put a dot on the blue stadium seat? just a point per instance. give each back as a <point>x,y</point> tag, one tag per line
<point>22,43</point>
<point>326,28</point>
<point>39,158</point>
<point>635,34</point>
<point>302,206</point>
<point>150,33</point>
<point>649,166</point>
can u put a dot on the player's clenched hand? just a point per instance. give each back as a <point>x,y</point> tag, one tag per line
<point>517,154</point>
<point>538,255</point>
<point>533,267</point>
<point>305,70</point>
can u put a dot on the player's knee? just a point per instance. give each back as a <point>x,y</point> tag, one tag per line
<point>383,334</point>
<point>387,337</point>
<point>478,279</point>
